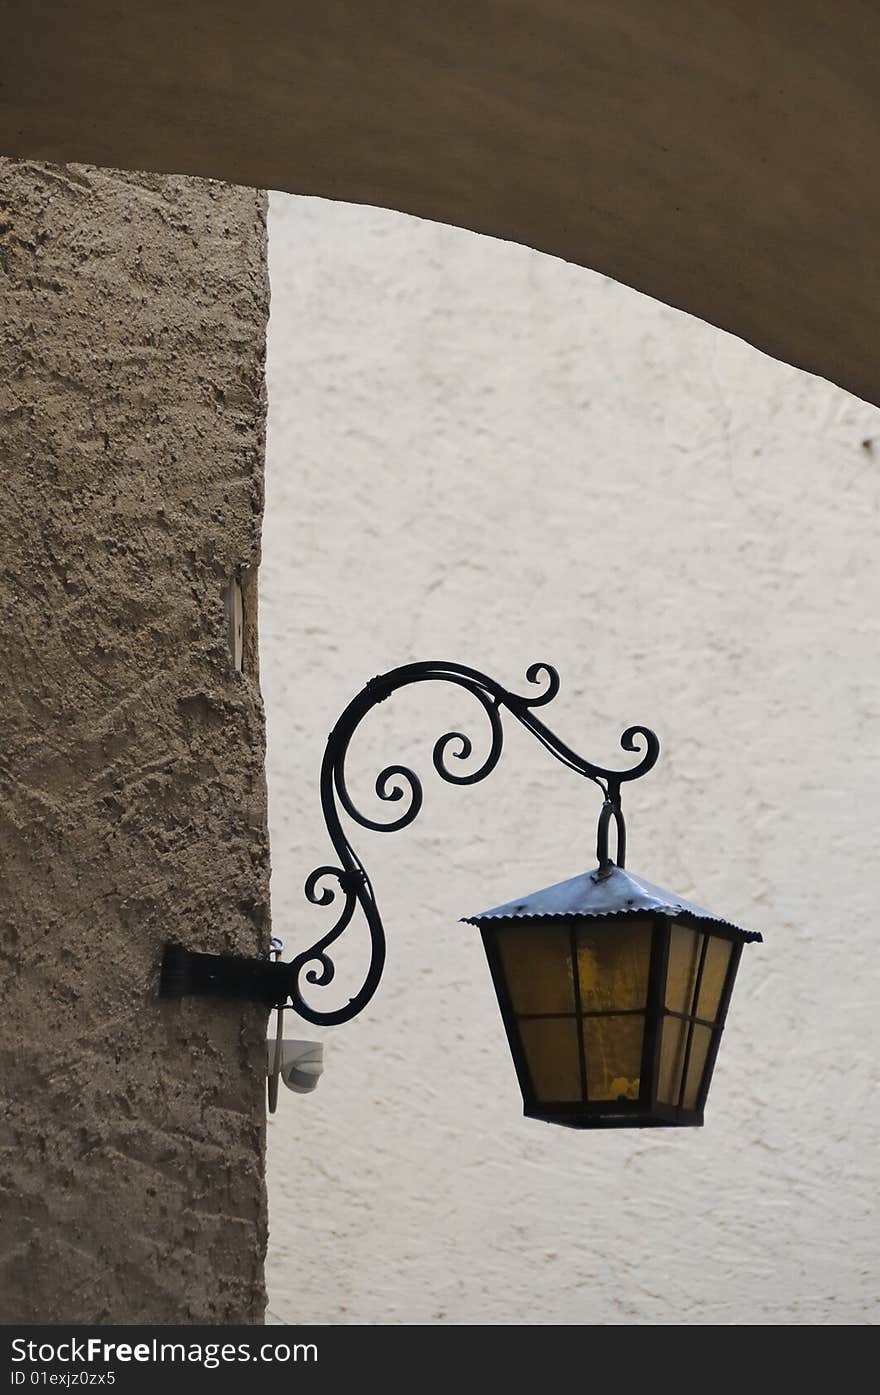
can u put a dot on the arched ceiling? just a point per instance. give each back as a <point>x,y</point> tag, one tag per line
<point>722,158</point>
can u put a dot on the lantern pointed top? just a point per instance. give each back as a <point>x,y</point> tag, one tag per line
<point>608,891</point>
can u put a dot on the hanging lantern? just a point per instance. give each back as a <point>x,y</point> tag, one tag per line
<point>614,995</point>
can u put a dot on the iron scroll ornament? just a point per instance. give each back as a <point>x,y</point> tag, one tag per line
<point>397,782</point>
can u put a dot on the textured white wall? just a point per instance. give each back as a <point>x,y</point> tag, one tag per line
<point>482,454</point>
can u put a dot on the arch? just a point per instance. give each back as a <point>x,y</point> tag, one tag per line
<point>719,158</point>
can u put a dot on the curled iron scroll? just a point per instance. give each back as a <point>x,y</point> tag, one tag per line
<point>398,783</point>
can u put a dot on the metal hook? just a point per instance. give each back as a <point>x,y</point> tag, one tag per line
<point>610,811</point>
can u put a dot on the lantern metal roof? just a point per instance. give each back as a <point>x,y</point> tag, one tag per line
<point>608,891</point>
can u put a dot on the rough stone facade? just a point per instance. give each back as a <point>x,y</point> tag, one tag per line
<point>132,791</point>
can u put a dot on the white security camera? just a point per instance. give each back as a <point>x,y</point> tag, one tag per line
<point>300,1065</point>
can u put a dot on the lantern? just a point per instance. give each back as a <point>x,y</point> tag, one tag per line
<point>614,995</point>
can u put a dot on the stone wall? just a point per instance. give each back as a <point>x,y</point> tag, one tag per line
<point>132,800</point>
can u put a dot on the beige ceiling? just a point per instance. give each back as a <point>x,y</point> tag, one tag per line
<point>722,157</point>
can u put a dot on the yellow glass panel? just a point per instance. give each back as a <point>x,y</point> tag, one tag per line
<point>613,964</point>
<point>699,1050</point>
<point>613,1053</point>
<point>672,1047</point>
<point>537,966</point>
<point>684,956</point>
<point>714,974</point>
<point>552,1052</point>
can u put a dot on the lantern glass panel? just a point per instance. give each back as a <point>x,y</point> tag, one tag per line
<point>613,964</point>
<point>698,969</point>
<point>537,966</point>
<point>552,1053</point>
<point>700,1042</point>
<point>613,1056</point>
<point>672,1059</point>
<point>672,1049</point>
<point>685,944</point>
<point>715,968</point>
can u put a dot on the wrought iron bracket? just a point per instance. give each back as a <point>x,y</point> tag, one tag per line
<point>186,971</point>
<point>279,984</point>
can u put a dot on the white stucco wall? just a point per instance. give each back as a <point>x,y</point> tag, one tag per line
<point>479,453</point>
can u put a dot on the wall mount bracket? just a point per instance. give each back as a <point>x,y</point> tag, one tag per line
<point>278,984</point>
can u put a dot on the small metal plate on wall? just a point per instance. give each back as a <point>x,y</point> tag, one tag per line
<point>232,604</point>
